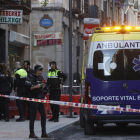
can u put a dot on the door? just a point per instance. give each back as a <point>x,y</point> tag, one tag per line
<point>108,73</point>
<point>132,70</point>
<point>13,56</point>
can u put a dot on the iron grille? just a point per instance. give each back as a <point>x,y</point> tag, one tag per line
<point>86,7</point>
<point>26,3</point>
<point>77,4</point>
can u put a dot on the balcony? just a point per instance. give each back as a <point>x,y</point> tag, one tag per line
<point>5,2</point>
<point>76,7</point>
<point>120,3</point>
<point>24,5</point>
<point>85,10</point>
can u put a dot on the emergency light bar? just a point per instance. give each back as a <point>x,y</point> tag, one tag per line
<point>117,29</point>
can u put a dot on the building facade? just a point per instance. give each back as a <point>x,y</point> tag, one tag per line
<point>14,38</point>
<point>57,11</point>
<point>126,12</point>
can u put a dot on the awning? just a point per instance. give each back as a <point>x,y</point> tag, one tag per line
<point>18,39</point>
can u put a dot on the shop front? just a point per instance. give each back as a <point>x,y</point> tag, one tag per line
<point>16,49</point>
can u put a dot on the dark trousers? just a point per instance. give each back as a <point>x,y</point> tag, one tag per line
<point>4,107</point>
<point>4,103</point>
<point>34,108</point>
<point>28,109</point>
<point>20,103</point>
<point>28,104</point>
<point>55,95</point>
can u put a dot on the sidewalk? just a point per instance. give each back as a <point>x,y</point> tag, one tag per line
<point>13,130</point>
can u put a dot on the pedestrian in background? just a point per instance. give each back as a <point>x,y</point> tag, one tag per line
<point>6,86</point>
<point>29,72</point>
<point>55,85</point>
<point>37,90</point>
<point>20,77</point>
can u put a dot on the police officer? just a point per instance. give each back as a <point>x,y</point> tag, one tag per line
<point>55,86</point>
<point>29,72</point>
<point>6,86</point>
<point>20,77</point>
<point>37,90</point>
<point>27,67</point>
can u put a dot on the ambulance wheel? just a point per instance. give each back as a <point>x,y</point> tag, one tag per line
<point>81,119</point>
<point>89,128</point>
<point>122,124</point>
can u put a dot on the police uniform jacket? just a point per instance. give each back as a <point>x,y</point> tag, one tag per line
<point>30,71</point>
<point>6,83</point>
<point>38,93</point>
<point>54,78</point>
<point>20,77</point>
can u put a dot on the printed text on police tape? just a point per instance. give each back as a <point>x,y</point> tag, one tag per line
<point>89,106</point>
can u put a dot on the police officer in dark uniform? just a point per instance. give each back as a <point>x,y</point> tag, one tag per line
<point>6,86</point>
<point>29,72</point>
<point>27,67</point>
<point>20,77</point>
<point>55,86</point>
<point>37,90</point>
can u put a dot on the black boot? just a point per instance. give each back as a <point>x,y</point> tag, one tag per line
<point>28,118</point>
<point>56,120</point>
<point>50,120</point>
<point>20,119</point>
<point>6,120</point>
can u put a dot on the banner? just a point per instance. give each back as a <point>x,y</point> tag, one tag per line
<point>48,39</point>
<point>11,16</point>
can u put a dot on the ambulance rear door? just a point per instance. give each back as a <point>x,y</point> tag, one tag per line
<point>108,72</point>
<point>132,70</point>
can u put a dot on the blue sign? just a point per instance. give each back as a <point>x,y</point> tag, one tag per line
<point>46,22</point>
<point>137,64</point>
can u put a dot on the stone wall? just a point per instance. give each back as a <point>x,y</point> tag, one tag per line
<point>44,54</point>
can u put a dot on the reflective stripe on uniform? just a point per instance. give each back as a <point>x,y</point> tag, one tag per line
<point>2,75</point>
<point>23,76</point>
<point>53,74</point>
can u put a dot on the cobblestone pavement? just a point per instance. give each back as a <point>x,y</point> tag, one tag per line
<point>107,132</point>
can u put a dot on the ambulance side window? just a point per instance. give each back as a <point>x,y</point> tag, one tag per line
<point>132,64</point>
<point>108,65</point>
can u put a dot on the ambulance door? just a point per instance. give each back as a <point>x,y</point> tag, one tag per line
<point>132,70</point>
<point>108,73</point>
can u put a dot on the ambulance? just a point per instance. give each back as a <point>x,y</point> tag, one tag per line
<point>111,77</point>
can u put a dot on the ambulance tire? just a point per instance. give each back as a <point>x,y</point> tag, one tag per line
<point>81,119</point>
<point>122,124</point>
<point>89,128</point>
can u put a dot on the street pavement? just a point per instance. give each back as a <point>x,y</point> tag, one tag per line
<point>20,130</point>
<point>107,132</point>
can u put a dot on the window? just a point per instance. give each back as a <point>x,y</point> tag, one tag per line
<point>108,65</point>
<point>132,64</point>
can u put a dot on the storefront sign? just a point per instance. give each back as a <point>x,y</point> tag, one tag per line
<point>46,21</point>
<point>89,25</point>
<point>48,39</point>
<point>11,16</point>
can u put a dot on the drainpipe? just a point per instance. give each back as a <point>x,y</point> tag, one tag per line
<point>114,11</point>
<point>30,34</point>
